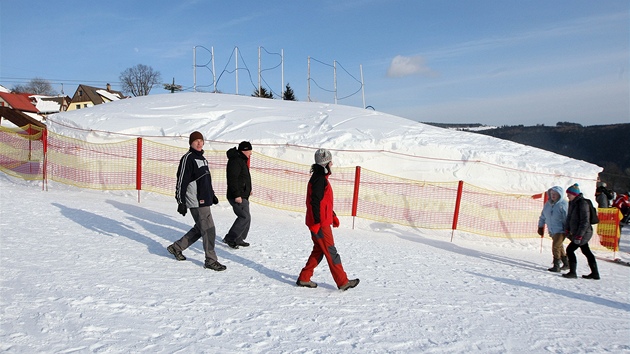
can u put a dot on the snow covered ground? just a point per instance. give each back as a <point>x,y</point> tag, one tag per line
<point>85,271</point>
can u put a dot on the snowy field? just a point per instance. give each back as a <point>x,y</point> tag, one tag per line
<point>87,272</point>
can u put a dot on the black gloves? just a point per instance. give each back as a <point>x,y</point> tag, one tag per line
<point>181,208</point>
<point>541,231</point>
<point>215,200</point>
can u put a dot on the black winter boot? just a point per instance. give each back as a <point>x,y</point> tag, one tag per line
<point>556,266</point>
<point>594,272</point>
<point>177,254</point>
<point>571,274</point>
<point>565,263</point>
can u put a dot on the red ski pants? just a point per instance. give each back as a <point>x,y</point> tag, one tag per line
<point>324,246</point>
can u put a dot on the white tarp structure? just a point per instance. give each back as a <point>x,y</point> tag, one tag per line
<point>292,130</point>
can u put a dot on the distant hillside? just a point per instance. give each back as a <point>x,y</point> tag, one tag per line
<point>607,146</point>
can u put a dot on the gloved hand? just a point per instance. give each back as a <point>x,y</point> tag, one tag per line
<point>335,220</point>
<point>541,231</point>
<point>215,200</point>
<point>315,228</point>
<point>181,208</point>
<point>577,240</point>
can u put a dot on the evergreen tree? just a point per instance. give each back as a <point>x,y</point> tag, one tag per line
<point>288,95</point>
<point>263,93</point>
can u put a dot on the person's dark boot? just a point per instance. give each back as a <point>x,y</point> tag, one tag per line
<point>594,272</point>
<point>216,266</point>
<point>565,263</point>
<point>572,267</point>
<point>177,254</point>
<point>232,244</point>
<point>556,266</point>
<point>349,285</point>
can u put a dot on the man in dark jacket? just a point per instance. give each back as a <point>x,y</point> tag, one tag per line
<point>239,188</point>
<point>194,191</point>
<point>319,217</point>
<point>601,196</point>
<point>579,231</point>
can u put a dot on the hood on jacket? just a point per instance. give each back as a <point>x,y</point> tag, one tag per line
<point>557,189</point>
<point>234,153</point>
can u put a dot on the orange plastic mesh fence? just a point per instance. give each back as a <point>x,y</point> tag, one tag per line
<point>277,183</point>
<point>21,154</point>
<point>76,162</point>
<point>397,200</point>
<point>497,214</point>
<point>282,184</point>
<point>159,168</point>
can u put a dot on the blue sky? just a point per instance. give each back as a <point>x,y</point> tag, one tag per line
<point>490,62</point>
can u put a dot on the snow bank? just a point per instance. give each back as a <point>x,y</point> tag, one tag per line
<point>291,130</point>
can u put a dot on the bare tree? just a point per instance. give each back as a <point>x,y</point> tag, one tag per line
<point>139,80</point>
<point>36,86</point>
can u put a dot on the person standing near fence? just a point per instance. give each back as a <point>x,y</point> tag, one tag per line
<point>194,191</point>
<point>601,195</point>
<point>319,217</point>
<point>579,231</point>
<point>623,204</point>
<point>239,188</point>
<point>554,214</point>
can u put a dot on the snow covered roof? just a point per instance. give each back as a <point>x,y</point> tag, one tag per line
<point>44,105</point>
<point>109,95</point>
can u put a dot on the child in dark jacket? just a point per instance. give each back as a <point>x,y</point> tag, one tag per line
<point>579,231</point>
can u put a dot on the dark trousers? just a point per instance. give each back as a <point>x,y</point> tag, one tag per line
<point>586,251</point>
<point>240,228</point>
<point>324,246</point>
<point>204,229</point>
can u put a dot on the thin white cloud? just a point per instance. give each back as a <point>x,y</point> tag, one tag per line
<point>402,66</point>
<point>565,30</point>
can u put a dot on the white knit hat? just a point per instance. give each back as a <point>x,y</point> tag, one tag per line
<point>322,157</point>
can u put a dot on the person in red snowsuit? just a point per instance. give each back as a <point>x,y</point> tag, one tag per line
<point>319,217</point>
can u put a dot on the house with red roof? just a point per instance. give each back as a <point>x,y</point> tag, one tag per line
<point>19,110</point>
<point>17,101</point>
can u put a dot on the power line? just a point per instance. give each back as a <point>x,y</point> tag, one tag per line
<point>56,81</point>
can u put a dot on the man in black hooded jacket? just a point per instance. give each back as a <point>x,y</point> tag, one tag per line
<point>239,188</point>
